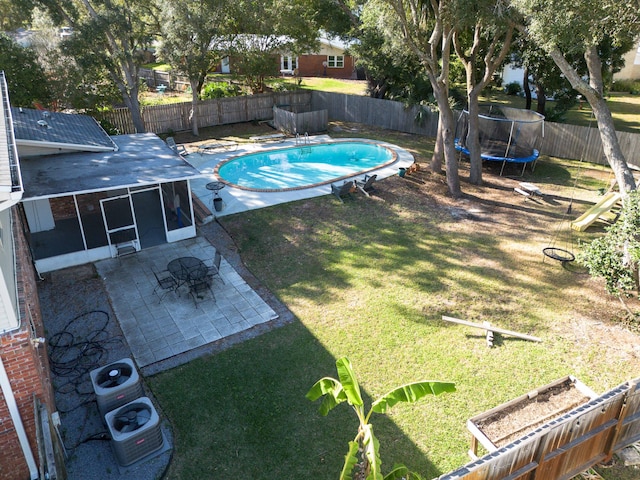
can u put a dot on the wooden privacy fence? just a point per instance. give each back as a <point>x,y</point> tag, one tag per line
<point>374,111</point>
<point>560,140</point>
<point>566,446</point>
<point>177,117</point>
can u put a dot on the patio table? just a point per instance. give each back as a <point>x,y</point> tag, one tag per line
<point>188,270</point>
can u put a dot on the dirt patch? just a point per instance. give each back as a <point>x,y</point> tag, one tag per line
<point>525,416</point>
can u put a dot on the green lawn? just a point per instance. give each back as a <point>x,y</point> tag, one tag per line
<point>370,279</point>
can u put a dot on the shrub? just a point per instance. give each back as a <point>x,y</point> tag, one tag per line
<point>219,90</point>
<point>513,88</point>
<point>616,255</point>
<point>626,86</point>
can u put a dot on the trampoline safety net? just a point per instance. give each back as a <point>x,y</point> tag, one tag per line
<point>506,133</point>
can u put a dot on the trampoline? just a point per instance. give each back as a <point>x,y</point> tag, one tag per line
<point>507,135</point>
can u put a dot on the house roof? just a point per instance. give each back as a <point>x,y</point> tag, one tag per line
<point>140,159</point>
<point>58,132</point>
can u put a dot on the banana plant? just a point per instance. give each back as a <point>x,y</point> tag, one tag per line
<point>365,445</point>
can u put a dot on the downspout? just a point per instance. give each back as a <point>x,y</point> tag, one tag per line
<point>17,422</point>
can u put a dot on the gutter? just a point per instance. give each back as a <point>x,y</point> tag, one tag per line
<point>17,422</point>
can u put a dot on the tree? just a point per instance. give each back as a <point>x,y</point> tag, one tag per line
<point>482,38</point>
<point>365,444</point>
<point>268,29</point>
<point>567,27</point>
<point>88,90</point>
<point>14,14</point>
<point>392,72</point>
<point>193,41</point>
<point>24,75</point>
<point>615,256</point>
<point>109,34</point>
<point>426,30</point>
<point>544,72</point>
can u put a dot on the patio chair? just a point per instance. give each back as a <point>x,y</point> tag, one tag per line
<point>165,284</point>
<point>196,289</point>
<point>214,269</point>
<point>179,149</point>
<point>366,184</point>
<point>344,190</point>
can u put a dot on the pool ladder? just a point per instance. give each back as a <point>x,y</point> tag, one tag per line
<point>302,140</point>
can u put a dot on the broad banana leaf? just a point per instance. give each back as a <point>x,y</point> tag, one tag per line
<point>349,383</point>
<point>411,392</point>
<point>332,391</point>
<point>399,472</point>
<point>350,460</point>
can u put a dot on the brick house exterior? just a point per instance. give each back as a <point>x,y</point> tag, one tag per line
<point>329,61</point>
<point>26,363</point>
<point>24,367</point>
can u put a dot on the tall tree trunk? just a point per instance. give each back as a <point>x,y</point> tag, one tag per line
<point>593,92</point>
<point>526,88</point>
<point>438,150</point>
<point>193,116</point>
<point>542,99</point>
<point>130,99</point>
<point>448,143</point>
<point>473,139</point>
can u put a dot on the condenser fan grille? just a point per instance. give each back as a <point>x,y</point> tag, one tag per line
<point>131,419</point>
<point>114,375</point>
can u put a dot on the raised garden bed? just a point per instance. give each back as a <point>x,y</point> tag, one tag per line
<point>508,422</point>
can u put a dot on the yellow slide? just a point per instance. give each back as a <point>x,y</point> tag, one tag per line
<point>606,203</point>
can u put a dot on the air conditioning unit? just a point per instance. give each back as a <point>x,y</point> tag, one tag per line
<point>135,431</point>
<point>116,384</point>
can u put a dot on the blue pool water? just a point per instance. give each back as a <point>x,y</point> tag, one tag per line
<point>300,167</point>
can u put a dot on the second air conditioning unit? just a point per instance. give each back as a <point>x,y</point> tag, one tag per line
<point>135,431</point>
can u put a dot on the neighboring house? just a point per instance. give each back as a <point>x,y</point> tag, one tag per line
<point>26,394</point>
<point>631,69</point>
<point>89,196</point>
<point>330,60</point>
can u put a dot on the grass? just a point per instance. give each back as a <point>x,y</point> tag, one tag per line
<point>370,279</point>
<point>349,87</point>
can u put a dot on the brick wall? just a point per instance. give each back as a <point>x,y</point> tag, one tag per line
<point>311,66</point>
<point>26,365</point>
<point>63,208</point>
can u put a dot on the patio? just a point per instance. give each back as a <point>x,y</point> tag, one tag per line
<point>158,330</point>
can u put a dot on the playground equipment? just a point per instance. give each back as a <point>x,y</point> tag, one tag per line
<point>600,209</point>
<point>507,134</point>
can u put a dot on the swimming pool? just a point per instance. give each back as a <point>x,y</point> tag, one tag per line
<point>305,166</point>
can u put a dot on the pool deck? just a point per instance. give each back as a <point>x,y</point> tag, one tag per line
<point>236,200</point>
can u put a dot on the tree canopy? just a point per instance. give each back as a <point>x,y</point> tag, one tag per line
<point>566,28</point>
<point>24,75</point>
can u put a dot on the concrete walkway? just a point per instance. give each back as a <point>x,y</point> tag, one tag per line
<point>237,200</point>
<point>157,330</point>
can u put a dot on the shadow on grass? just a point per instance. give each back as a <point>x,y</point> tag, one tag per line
<point>243,414</point>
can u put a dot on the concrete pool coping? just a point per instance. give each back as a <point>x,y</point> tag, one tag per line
<point>236,200</point>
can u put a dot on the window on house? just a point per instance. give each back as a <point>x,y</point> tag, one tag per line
<point>288,63</point>
<point>335,61</point>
